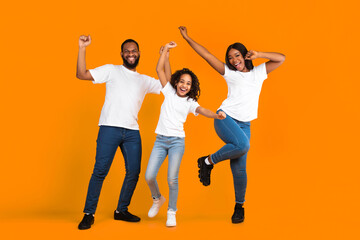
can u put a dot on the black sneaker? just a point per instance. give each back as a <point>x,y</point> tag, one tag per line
<point>86,222</point>
<point>204,171</point>
<point>238,216</point>
<point>126,216</point>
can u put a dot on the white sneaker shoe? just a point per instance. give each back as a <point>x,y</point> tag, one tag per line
<point>156,206</point>
<point>171,218</point>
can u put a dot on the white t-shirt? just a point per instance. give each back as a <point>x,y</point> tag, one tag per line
<point>125,92</point>
<point>174,111</point>
<point>243,92</point>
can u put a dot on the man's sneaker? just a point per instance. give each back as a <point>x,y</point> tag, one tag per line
<point>125,216</point>
<point>86,222</point>
<point>157,203</point>
<point>204,171</point>
<point>171,218</point>
<point>238,216</point>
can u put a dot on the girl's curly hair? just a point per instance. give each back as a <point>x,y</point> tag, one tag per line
<point>194,92</point>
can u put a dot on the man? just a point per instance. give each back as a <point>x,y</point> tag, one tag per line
<point>125,92</point>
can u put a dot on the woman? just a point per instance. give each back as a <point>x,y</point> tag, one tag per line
<point>244,85</point>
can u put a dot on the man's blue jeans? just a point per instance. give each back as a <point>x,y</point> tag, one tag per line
<point>236,135</point>
<point>174,147</point>
<point>109,139</point>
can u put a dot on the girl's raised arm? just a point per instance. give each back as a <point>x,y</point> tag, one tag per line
<point>163,65</point>
<point>203,52</point>
<point>275,59</point>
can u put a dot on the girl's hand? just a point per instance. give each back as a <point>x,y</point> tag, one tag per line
<point>183,31</point>
<point>221,115</point>
<point>161,50</point>
<point>84,41</point>
<point>251,55</point>
<point>170,45</point>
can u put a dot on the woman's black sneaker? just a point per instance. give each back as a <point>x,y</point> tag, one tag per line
<point>204,171</point>
<point>126,216</point>
<point>238,216</point>
<point>86,222</point>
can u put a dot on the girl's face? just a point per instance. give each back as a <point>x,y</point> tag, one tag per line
<point>184,85</point>
<point>236,59</point>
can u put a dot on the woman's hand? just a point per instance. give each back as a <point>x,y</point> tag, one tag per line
<point>183,31</point>
<point>251,55</point>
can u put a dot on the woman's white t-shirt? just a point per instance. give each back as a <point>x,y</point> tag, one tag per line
<point>243,92</point>
<point>174,111</point>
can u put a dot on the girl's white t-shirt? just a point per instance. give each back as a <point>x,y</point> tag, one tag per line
<point>243,92</point>
<point>174,111</point>
<point>125,92</point>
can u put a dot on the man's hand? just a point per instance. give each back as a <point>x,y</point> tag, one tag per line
<point>84,41</point>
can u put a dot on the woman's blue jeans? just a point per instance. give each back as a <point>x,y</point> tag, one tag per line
<point>174,147</point>
<point>109,139</point>
<point>236,135</point>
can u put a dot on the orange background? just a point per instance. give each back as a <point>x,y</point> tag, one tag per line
<point>303,166</point>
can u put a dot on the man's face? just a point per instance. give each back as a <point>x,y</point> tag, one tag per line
<point>130,55</point>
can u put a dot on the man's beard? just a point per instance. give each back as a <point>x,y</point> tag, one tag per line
<point>131,66</point>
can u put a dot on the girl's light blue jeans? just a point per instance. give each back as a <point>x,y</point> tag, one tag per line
<point>236,135</point>
<point>174,147</point>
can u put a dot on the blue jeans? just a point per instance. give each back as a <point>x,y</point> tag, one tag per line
<point>236,135</point>
<point>109,139</point>
<point>174,147</point>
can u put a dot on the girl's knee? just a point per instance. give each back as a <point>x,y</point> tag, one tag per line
<point>172,182</point>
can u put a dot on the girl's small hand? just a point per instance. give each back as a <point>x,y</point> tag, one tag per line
<point>161,50</point>
<point>251,55</point>
<point>170,45</point>
<point>221,115</point>
<point>183,31</point>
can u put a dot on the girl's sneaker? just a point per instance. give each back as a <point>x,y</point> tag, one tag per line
<point>171,218</point>
<point>156,206</point>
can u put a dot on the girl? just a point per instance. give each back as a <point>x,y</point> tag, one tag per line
<point>181,91</point>
<point>244,85</point>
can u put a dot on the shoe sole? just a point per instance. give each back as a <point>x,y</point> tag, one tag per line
<point>200,175</point>
<point>237,221</point>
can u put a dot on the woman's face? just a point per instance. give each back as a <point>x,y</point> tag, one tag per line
<point>236,59</point>
<point>184,85</point>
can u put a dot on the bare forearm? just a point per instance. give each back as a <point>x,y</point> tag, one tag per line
<point>81,71</point>
<point>205,54</point>
<point>160,69</point>
<point>167,67</point>
<point>199,49</point>
<point>207,113</point>
<point>272,56</point>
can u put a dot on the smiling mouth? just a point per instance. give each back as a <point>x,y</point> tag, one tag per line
<point>183,90</point>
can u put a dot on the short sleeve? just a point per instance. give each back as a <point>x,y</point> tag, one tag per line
<point>193,106</point>
<point>167,89</point>
<point>227,71</point>
<point>260,72</point>
<point>101,74</point>
<point>154,85</point>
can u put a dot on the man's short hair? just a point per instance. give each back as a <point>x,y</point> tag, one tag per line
<point>129,40</point>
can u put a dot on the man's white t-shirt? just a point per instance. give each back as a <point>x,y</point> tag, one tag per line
<point>174,111</point>
<point>243,92</point>
<point>125,92</point>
